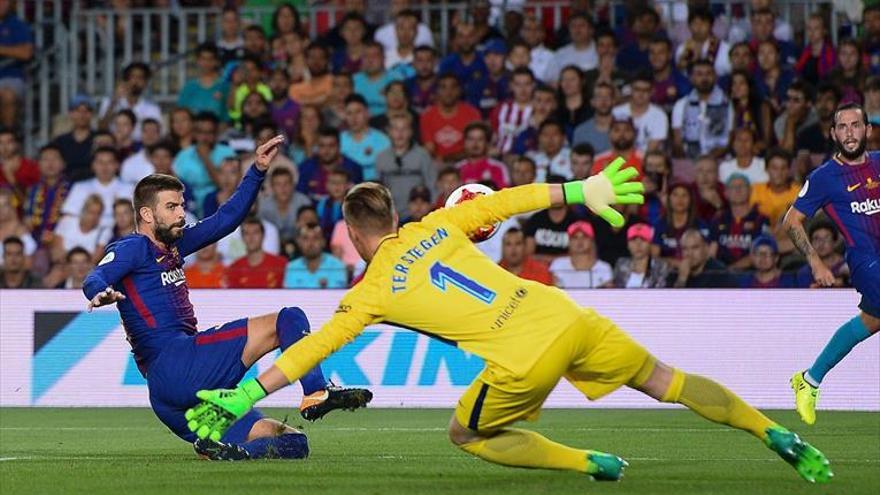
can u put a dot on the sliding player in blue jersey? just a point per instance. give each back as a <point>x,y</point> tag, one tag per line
<point>143,274</point>
<point>847,187</point>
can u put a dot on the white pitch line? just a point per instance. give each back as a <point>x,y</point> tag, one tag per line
<point>404,457</point>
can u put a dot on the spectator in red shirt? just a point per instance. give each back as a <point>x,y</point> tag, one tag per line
<point>257,269</point>
<point>478,167</point>
<point>515,260</point>
<point>16,172</point>
<point>443,123</point>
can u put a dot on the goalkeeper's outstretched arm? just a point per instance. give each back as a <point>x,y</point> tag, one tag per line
<point>615,185</point>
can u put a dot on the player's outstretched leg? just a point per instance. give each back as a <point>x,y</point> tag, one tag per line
<point>716,403</point>
<point>319,396</point>
<point>268,439</point>
<point>806,384</point>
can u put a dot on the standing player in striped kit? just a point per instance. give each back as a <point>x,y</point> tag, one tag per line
<point>847,187</point>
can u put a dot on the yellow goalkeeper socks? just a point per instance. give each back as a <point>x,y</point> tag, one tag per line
<point>715,402</point>
<point>523,448</point>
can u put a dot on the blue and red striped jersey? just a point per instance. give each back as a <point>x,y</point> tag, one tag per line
<point>850,195</point>
<point>735,235</point>
<point>156,308</point>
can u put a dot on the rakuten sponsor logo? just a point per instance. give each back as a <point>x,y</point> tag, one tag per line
<point>867,207</point>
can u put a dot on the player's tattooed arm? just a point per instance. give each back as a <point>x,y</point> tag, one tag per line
<point>794,225</point>
<point>798,236</point>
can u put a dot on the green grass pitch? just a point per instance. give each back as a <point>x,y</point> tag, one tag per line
<point>405,451</point>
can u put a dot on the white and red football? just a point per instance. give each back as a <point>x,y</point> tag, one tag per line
<point>466,193</point>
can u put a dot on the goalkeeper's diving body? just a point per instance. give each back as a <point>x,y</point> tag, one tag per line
<point>428,276</point>
<point>143,274</point>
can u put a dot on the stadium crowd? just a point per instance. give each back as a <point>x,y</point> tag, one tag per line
<point>723,120</point>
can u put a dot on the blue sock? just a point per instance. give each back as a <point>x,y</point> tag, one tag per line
<point>286,446</point>
<point>291,326</point>
<point>845,338</point>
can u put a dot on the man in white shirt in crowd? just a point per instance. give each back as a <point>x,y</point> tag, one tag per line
<point>744,161</point>
<point>582,268</point>
<point>580,52</point>
<point>532,32</point>
<point>129,94</point>
<point>105,184</point>
<point>651,122</point>
<point>138,165</point>
<point>387,34</point>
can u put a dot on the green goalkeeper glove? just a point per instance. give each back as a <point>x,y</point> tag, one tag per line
<point>612,186</point>
<point>221,408</point>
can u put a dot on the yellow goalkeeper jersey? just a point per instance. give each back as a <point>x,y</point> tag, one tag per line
<point>429,277</point>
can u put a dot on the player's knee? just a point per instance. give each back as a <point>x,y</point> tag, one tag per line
<point>297,445</point>
<point>872,323</point>
<point>293,317</point>
<point>459,435</point>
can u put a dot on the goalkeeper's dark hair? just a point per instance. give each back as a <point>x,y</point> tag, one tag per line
<point>369,207</point>
<point>148,188</point>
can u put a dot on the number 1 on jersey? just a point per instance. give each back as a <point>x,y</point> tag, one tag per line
<point>440,274</point>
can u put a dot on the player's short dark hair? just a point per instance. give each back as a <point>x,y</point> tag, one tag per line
<point>75,251</point>
<point>584,149</point>
<point>13,239</point>
<point>776,152</point>
<point>253,220</point>
<point>849,106</point>
<point>149,187</point>
<point>479,125</point>
<point>356,98</point>
<point>105,150</point>
<point>369,206</point>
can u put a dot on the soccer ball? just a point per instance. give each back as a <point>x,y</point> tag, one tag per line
<point>466,193</point>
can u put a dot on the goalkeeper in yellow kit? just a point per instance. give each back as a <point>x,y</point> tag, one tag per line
<point>428,276</point>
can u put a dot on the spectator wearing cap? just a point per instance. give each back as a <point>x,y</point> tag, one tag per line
<point>640,269</point>
<point>401,36</point>
<point>595,130</point>
<point>314,269</point>
<point>372,79</point>
<point>360,142</point>
<point>678,217</point>
<point>669,82</point>
<point>745,160</point>
<point>16,172</point>
<point>824,239</point>
<point>737,225</point>
<point>422,87</point>
<point>513,115</point>
<point>765,262</point>
<point>106,185</point>
<point>547,230</point>
<point>703,44</point>
<point>775,196</point>
<point>581,51</point>
<point>207,92</point>
<point>582,268</point>
<point>76,145</point>
<point>466,64</point>
<point>16,49</point>
<point>405,164</point>
<point>443,123</point>
<point>651,123</point>
<point>533,34</point>
<point>14,273</point>
<point>622,136</point>
<point>43,201</point>
<point>478,167</point>
<point>553,156</point>
<point>698,270</point>
<point>315,89</point>
<point>418,205</point>
<point>496,87</point>
<point>515,258</point>
<point>701,120</point>
<point>129,94</point>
